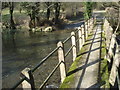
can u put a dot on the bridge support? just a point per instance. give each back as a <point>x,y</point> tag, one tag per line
<point>74,45</point>
<point>80,38</point>
<point>83,38</point>
<point>62,61</point>
<point>29,82</point>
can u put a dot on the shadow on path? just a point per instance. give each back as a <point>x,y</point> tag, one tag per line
<point>83,72</point>
<point>84,66</point>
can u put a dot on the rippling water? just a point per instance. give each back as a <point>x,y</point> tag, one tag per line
<point>22,49</point>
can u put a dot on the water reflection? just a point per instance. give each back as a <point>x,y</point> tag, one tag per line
<point>25,49</point>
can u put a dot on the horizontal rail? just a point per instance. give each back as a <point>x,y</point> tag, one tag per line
<point>44,59</point>
<point>17,84</point>
<point>70,36</point>
<point>69,51</point>
<point>41,62</point>
<point>67,39</point>
<point>50,54</point>
<point>76,31</point>
<point>79,38</point>
<point>50,75</point>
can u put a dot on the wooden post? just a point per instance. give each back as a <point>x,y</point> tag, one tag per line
<point>74,45</point>
<point>80,38</point>
<point>29,83</point>
<point>61,59</point>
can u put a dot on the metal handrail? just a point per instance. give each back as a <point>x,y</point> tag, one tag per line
<point>45,81</point>
<point>67,39</point>
<point>18,83</point>
<point>45,59</point>
<point>68,51</point>
<point>41,62</point>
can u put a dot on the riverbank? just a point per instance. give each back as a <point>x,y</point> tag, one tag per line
<point>22,21</point>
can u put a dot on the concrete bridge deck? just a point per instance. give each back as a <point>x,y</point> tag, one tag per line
<point>85,71</point>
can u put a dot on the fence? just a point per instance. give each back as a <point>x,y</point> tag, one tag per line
<point>28,80</point>
<point>113,57</point>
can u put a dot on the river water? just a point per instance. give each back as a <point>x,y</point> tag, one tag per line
<point>23,49</point>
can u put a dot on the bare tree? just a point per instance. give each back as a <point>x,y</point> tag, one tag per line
<point>57,11</point>
<point>48,4</point>
<point>11,9</point>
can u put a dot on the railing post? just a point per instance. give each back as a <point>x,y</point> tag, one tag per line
<point>29,82</point>
<point>88,27</point>
<point>80,37</point>
<point>74,45</point>
<point>85,29</point>
<point>92,23</point>
<point>83,38</point>
<point>61,59</point>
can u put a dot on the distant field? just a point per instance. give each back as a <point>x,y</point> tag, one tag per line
<point>6,11</point>
<point>16,14</point>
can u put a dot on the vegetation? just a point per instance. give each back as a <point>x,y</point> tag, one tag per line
<point>54,15</point>
<point>111,7</point>
<point>38,14</point>
<point>11,8</point>
<point>104,73</point>
<point>88,9</point>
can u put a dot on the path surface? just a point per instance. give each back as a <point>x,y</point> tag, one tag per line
<point>87,71</point>
<point>88,77</point>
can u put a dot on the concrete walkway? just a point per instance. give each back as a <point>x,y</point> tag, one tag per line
<point>88,77</point>
<point>86,73</point>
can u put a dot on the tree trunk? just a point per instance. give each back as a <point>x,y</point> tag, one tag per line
<point>48,14</point>
<point>88,10</point>
<point>57,12</point>
<point>33,16</point>
<point>11,7</point>
<point>48,10</point>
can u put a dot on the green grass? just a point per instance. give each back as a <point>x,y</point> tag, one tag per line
<point>6,11</point>
<point>16,14</point>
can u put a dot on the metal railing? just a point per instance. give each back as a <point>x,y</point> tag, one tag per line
<point>27,80</point>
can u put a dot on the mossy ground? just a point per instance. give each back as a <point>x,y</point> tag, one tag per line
<point>104,73</point>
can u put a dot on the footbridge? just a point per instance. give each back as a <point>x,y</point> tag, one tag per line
<point>95,56</point>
